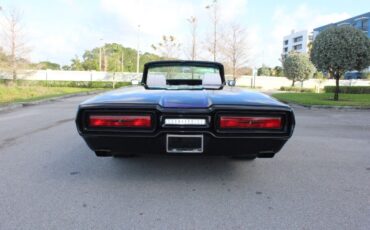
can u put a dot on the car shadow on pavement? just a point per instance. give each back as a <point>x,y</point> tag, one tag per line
<point>173,167</point>
<point>151,168</point>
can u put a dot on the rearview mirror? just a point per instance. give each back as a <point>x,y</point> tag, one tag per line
<point>231,82</point>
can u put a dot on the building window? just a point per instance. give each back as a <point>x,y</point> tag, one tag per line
<point>357,24</point>
<point>365,24</point>
<point>286,42</point>
<point>297,47</point>
<point>285,49</point>
<point>298,39</point>
<point>344,24</point>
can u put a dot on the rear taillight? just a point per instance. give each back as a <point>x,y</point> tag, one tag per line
<point>249,122</point>
<point>120,121</point>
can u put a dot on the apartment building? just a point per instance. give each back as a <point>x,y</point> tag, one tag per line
<point>296,41</point>
<point>360,22</point>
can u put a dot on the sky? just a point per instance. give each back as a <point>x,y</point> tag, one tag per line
<point>59,30</point>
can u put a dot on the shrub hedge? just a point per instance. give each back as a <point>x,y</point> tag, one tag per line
<point>72,84</point>
<point>348,89</point>
<point>297,89</point>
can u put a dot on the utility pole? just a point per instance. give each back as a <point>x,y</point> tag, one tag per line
<point>99,58</point>
<point>105,60</point>
<point>122,61</point>
<point>138,51</point>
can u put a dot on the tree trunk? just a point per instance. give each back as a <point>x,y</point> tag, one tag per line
<point>14,59</point>
<point>234,71</point>
<point>14,74</point>
<point>293,83</point>
<point>336,94</point>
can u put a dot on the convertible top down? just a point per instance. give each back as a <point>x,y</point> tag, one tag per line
<point>184,108</point>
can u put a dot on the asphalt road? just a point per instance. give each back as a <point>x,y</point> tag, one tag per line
<point>49,179</point>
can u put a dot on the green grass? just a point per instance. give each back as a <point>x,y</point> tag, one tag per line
<point>358,100</point>
<point>14,93</point>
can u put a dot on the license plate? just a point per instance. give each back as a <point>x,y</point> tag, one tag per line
<point>185,121</point>
<point>184,143</point>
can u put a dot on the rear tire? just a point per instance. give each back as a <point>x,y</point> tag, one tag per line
<point>245,158</point>
<point>124,156</point>
<point>103,153</point>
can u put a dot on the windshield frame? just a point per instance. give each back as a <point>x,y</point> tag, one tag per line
<point>155,64</point>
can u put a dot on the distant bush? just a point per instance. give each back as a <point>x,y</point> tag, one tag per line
<point>348,89</point>
<point>297,89</point>
<point>366,75</point>
<point>318,75</point>
<point>264,71</point>
<point>72,84</point>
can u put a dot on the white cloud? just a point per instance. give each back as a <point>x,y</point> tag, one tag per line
<point>61,45</point>
<point>155,17</point>
<point>165,17</point>
<point>233,9</point>
<point>117,20</point>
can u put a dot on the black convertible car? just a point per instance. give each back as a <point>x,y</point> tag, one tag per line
<point>184,108</point>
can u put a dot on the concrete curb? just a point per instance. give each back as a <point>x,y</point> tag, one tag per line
<point>328,107</point>
<point>44,101</point>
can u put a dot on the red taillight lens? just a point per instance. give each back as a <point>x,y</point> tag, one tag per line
<point>125,121</point>
<point>243,122</point>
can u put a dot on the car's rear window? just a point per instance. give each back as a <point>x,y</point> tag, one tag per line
<point>183,77</point>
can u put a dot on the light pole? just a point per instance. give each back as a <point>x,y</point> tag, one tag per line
<point>215,21</point>
<point>1,9</point>
<point>193,22</point>
<point>100,61</point>
<point>138,51</point>
<point>122,61</point>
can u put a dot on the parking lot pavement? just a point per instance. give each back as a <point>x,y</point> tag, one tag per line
<point>49,179</point>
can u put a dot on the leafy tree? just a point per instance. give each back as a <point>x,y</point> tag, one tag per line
<point>298,67</point>
<point>115,58</point>
<point>76,64</point>
<point>91,59</point>
<point>264,71</point>
<point>318,75</point>
<point>278,71</point>
<point>340,49</point>
<point>48,65</point>
<point>66,67</point>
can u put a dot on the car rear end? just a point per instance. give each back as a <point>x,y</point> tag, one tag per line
<point>118,129</point>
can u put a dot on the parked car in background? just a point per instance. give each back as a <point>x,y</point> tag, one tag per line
<point>352,75</point>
